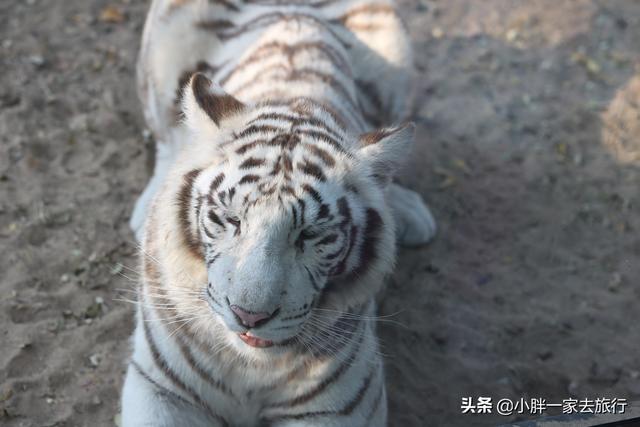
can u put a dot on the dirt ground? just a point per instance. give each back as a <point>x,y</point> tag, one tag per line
<point>528,152</point>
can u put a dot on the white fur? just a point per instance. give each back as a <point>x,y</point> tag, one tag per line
<point>262,270</point>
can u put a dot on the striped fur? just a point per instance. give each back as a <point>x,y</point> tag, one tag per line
<point>272,222</point>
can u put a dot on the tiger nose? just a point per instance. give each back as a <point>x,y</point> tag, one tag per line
<point>251,319</point>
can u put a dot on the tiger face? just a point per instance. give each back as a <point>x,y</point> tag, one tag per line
<point>290,214</point>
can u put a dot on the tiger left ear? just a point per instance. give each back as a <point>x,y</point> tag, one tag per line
<point>205,102</point>
<point>387,150</point>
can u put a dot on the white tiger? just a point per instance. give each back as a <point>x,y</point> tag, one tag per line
<point>268,226</point>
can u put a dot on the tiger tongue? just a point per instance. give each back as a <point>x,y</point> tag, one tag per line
<point>255,341</point>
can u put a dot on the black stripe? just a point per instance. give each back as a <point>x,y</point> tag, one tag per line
<point>322,136</point>
<point>216,183</point>
<point>254,129</point>
<point>163,366</point>
<point>184,213</point>
<point>346,410</point>
<point>215,218</point>
<point>162,390</point>
<point>249,179</point>
<point>252,162</point>
<point>326,382</point>
<point>327,240</point>
<point>312,169</point>
<point>323,211</point>
<point>315,285</point>
<point>369,246</point>
<point>312,192</point>
<point>193,363</point>
<point>213,259</point>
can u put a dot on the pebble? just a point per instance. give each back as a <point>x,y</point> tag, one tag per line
<point>615,282</point>
<point>79,123</point>
<point>95,360</point>
<point>545,355</point>
<point>573,388</point>
<point>512,34</point>
<point>117,269</point>
<point>37,60</point>
<point>437,33</point>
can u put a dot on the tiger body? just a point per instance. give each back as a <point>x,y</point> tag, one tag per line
<point>268,225</point>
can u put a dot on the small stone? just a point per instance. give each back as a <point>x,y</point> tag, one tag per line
<point>96,401</point>
<point>93,311</point>
<point>512,34</point>
<point>79,123</point>
<point>37,60</point>
<point>117,269</point>
<point>503,381</point>
<point>6,394</point>
<point>545,355</point>
<point>546,65</point>
<point>95,360</point>
<point>8,99</point>
<point>422,6</point>
<point>112,15</point>
<point>36,235</point>
<point>437,33</point>
<point>573,388</point>
<point>64,278</point>
<point>432,269</point>
<point>439,337</point>
<point>615,282</point>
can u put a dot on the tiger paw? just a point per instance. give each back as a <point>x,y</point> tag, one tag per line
<point>415,224</point>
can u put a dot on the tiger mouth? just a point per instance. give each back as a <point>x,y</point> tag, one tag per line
<point>254,341</point>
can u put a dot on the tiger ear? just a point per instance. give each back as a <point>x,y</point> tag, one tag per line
<point>386,150</point>
<point>204,102</point>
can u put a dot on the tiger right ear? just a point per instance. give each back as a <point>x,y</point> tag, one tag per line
<point>204,102</point>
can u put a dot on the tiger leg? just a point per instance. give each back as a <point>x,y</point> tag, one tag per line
<point>376,417</point>
<point>383,68</point>
<point>414,222</point>
<point>147,404</point>
<point>357,401</point>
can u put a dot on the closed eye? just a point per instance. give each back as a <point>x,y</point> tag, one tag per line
<point>309,233</point>
<point>234,221</point>
<point>306,234</point>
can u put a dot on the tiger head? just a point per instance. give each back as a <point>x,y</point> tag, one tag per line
<point>280,211</point>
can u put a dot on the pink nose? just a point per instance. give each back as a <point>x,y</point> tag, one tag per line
<point>249,318</point>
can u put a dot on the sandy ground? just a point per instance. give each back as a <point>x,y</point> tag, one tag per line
<point>529,154</point>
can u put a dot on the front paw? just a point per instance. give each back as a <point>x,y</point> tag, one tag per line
<point>415,224</point>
